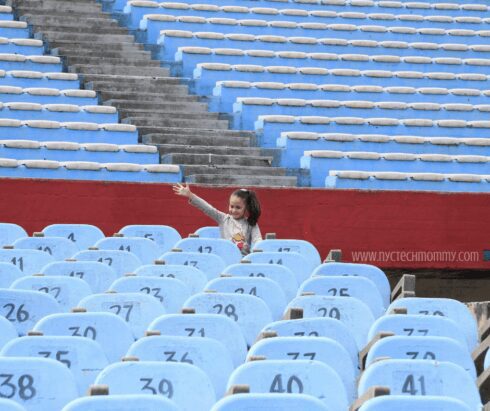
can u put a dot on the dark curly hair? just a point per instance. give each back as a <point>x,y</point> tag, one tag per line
<point>252,204</point>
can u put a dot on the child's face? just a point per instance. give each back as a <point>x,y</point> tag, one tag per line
<point>237,207</point>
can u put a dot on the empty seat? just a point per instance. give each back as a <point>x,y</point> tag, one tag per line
<point>225,249</point>
<point>249,312</point>
<point>57,247</point>
<point>296,377</point>
<point>210,264</point>
<point>371,272</point>
<point>7,331</point>
<point>97,275</point>
<point>208,232</point>
<point>403,403</point>
<point>348,286</point>
<point>121,403</point>
<point>10,232</point>
<point>171,293</point>
<point>351,311</point>
<point>111,332</point>
<point>138,310</point>
<point>146,250</point>
<point>67,291</point>
<point>423,348</point>
<point>322,349</point>
<point>194,278</point>
<point>264,288</point>
<point>121,262</point>
<point>8,274</point>
<point>184,384</point>
<point>446,307</point>
<point>83,235</point>
<point>420,378</point>
<point>278,273</point>
<point>215,326</point>
<point>302,247</point>
<point>84,357</point>
<point>38,384</point>
<point>294,261</point>
<point>266,402</point>
<point>209,355</point>
<point>24,308</point>
<point>163,235</point>
<point>27,261</point>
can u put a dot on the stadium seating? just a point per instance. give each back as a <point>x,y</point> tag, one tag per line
<point>27,261</point>
<point>146,250</point>
<point>120,261</point>
<point>8,274</point>
<point>57,247</point>
<point>121,403</point>
<point>217,246</point>
<point>286,402</point>
<point>9,405</point>
<point>211,265</point>
<point>83,235</point>
<point>165,237</point>
<point>208,232</point>
<point>8,331</point>
<point>404,403</point>
<point>10,232</point>
<point>302,247</point>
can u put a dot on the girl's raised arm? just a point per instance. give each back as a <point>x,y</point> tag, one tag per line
<point>198,202</point>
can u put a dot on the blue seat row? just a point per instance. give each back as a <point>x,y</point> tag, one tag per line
<point>27,47</point>
<point>29,78</point>
<point>47,96</point>
<point>14,29</point>
<point>10,61</point>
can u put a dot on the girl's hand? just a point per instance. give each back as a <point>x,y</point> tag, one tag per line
<point>182,190</point>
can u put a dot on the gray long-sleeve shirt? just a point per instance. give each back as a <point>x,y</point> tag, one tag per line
<point>238,231</point>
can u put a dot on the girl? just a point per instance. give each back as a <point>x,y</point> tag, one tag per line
<point>240,224</point>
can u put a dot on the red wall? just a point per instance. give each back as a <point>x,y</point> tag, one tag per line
<point>396,222</point>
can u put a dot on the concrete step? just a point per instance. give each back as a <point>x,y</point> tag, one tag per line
<point>143,104</point>
<point>89,37</point>
<point>242,180</point>
<point>174,95</point>
<point>83,13</point>
<point>172,135</point>
<point>66,7</point>
<point>49,19</point>
<point>216,159</point>
<point>88,52</point>
<point>153,116</point>
<point>176,122</point>
<point>154,94</point>
<point>80,28</point>
<point>117,70</point>
<point>230,170</point>
<point>217,150</point>
<point>85,45</point>
<point>121,82</point>
<point>106,61</point>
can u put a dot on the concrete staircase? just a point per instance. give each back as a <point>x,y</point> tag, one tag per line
<point>124,74</point>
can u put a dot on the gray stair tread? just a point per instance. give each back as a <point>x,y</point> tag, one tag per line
<point>170,122</point>
<point>123,80</point>
<point>148,98</point>
<point>109,69</point>
<point>116,45</point>
<point>249,180</point>
<point>190,169</point>
<point>95,29</point>
<point>143,104</point>
<point>216,159</point>
<point>119,61</point>
<point>99,53</point>
<point>196,149</point>
<point>218,139</point>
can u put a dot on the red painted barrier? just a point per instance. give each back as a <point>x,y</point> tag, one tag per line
<point>389,229</point>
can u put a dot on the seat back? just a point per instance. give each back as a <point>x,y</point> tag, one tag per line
<point>265,402</point>
<point>7,331</point>
<point>403,403</point>
<point>82,235</point>
<point>208,232</point>
<point>210,264</point>
<point>121,403</point>
<point>185,384</point>
<point>10,232</point>
<point>371,272</point>
<point>38,384</point>
<point>146,250</point>
<point>27,261</point>
<point>194,278</point>
<point>171,293</point>
<point>57,247</point>
<point>351,311</point>
<point>25,308</point>
<point>249,312</point>
<point>302,247</point>
<point>225,249</point>
<point>111,332</point>
<point>137,309</point>
<point>8,274</point>
<point>294,377</point>
<point>264,288</point>
<point>82,356</point>
<point>67,291</point>
<point>98,276</point>
<point>121,262</point>
<point>164,236</point>
<point>209,355</point>
<point>214,326</point>
<point>9,405</point>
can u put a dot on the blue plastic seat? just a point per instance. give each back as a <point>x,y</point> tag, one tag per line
<point>210,355</point>
<point>7,331</point>
<point>97,275</point>
<point>210,264</point>
<point>281,274</point>
<point>317,327</point>
<point>163,235</point>
<point>10,405</point>
<point>38,384</point>
<point>402,403</point>
<point>294,261</point>
<point>446,307</point>
<point>111,332</point>
<point>57,247</point>
<point>422,348</point>
<point>371,272</point>
<point>225,249</point>
<point>143,248</point>
<point>8,274</point>
<point>322,349</point>
<point>208,232</point>
<point>28,261</point>
<point>266,402</point>
<point>294,377</point>
<point>358,287</point>
<point>417,325</point>
<point>24,308</point>
<point>171,293</point>
<point>184,384</point>
<point>264,288</point>
<point>214,326</point>
<point>83,235</point>
<point>137,309</point>
<point>249,312</point>
<point>351,311</point>
<point>67,291</point>
<point>121,262</point>
<point>121,403</point>
<point>10,232</point>
<point>194,278</point>
<point>302,247</point>
<point>82,356</point>
<point>421,378</point>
